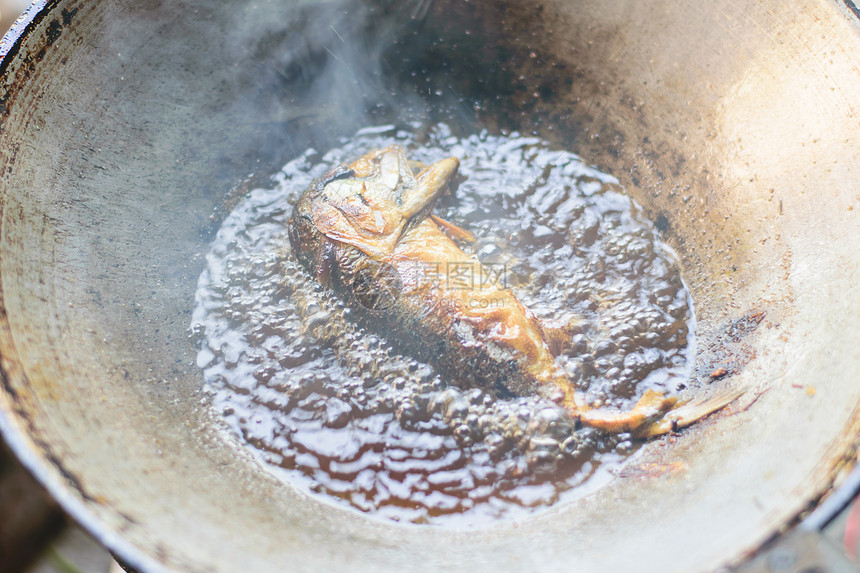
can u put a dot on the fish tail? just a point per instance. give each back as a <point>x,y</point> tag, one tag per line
<point>690,412</point>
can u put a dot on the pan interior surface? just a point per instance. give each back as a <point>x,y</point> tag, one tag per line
<point>125,125</point>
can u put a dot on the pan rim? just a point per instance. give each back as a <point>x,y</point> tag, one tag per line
<point>15,427</point>
<point>21,444</point>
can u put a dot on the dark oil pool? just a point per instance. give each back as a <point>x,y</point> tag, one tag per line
<point>330,408</point>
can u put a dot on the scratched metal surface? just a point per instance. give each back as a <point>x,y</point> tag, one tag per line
<point>733,124</point>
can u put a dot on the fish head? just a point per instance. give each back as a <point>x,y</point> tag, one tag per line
<point>367,204</point>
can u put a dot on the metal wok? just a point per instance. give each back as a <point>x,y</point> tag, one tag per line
<point>125,124</point>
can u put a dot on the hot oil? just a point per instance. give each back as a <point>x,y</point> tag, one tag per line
<point>334,409</point>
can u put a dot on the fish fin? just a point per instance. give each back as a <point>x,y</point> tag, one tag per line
<point>559,335</point>
<point>690,412</point>
<point>429,184</point>
<point>453,231</point>
<point>417,166</point>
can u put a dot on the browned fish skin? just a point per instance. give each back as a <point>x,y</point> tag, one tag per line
<point>364,231</point>
<point>430,316</point>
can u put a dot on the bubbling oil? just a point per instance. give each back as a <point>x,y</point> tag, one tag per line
<point>331,408</point>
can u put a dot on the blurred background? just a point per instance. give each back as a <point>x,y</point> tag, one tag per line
<point>10,10</point>
<point>35,535</point>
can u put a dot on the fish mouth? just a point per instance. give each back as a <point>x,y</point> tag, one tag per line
<point>293,234</point>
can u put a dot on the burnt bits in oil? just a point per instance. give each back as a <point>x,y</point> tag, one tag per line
<point>332,408</point>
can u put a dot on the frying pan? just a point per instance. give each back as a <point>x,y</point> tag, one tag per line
<point>126,124</point>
